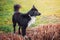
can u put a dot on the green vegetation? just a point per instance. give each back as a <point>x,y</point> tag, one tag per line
<point>6,28</point>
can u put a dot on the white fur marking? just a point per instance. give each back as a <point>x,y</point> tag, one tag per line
<point>31,21</point>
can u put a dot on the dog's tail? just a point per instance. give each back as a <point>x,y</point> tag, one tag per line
<point>16,7</point>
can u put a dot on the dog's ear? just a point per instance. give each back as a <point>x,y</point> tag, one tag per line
<point>33,7</point>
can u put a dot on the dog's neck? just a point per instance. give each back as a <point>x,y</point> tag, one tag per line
<point>33,18</point>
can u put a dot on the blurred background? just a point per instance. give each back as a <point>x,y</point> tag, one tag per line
<point>49,9</point>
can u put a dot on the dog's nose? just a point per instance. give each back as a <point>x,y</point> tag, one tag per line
<point>39,13</point>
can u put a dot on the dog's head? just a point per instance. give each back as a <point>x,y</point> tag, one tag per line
<point>34,12</point>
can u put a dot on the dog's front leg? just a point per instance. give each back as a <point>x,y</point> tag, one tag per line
<point>23,32</point>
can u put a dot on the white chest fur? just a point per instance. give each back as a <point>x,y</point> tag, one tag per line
<point>31,21</point>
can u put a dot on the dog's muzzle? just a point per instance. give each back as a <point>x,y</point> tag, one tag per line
<point>39,14</point>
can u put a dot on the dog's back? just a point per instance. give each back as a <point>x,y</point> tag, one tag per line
<point>21,19</point>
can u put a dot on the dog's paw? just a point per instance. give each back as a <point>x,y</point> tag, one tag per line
<point>27,38</point>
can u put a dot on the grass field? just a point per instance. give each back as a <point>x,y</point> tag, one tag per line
<point>41,32</point>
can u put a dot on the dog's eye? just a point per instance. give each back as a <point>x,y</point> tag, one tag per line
<point>35,11</point>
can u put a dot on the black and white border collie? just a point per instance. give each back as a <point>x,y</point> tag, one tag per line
<point>24,20</point>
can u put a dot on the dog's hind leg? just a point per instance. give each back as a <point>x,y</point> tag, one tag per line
<point>14,25</point>
<point>19,30</point>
